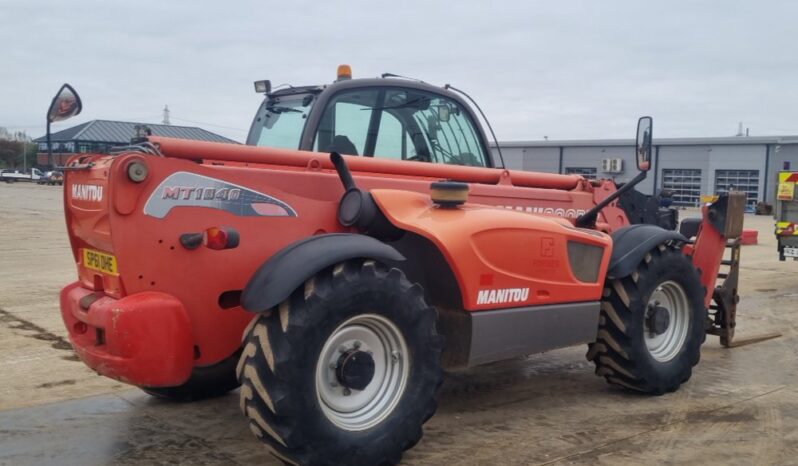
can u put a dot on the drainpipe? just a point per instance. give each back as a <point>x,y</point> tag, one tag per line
<point>655,167</point>
<point>767,173</point>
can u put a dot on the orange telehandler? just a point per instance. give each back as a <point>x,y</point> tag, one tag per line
<point>372,243</point>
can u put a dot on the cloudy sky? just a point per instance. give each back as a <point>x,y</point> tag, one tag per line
<point>563,69</point>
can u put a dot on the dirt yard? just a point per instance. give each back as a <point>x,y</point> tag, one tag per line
<point>740,407</point>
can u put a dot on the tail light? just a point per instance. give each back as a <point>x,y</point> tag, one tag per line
<point>220,238</point>
<point>216,238</point>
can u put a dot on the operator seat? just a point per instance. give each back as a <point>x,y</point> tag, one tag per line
<point>343,145</point>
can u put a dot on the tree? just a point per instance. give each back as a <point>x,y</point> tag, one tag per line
<point>15,147</point>
<point>9,152</point>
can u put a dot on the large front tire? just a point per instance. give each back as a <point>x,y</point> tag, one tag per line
<point>651,325</point>
<point>344,371</point>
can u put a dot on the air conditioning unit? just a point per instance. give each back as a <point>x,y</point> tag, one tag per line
<point>612,165</point>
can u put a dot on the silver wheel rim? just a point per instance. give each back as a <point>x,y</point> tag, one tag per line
<point>672,297</point>
<point>356,410</point>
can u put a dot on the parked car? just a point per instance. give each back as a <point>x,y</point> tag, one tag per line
<point>53,177</point>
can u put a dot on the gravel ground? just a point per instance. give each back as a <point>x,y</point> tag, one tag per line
<point>740,407</point>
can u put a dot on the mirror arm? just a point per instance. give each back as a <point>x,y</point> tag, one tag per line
<point>588,219</point>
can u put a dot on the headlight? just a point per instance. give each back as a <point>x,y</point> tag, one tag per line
<point>585,260</point>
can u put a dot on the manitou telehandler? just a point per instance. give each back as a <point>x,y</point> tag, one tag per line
<point>370,245</point>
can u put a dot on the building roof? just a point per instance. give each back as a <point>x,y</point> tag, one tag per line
<point>122,131</point>
<point>732,140</point>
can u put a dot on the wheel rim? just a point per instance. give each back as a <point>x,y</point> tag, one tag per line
<point>669,298</point>
<point>356,410</point>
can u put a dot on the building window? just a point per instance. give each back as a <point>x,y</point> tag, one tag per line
<point>685,184</point>
<point>746,181</point>
<point>587,172</point>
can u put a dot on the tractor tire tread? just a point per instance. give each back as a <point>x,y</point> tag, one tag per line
<point>270,359</point>
<point>620,354</point>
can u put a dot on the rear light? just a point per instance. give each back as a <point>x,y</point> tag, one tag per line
<point>220,238</point>
<point>80,328</point>
<point>213,238</point>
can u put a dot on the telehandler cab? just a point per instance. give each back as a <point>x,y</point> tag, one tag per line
<point>373,244</point>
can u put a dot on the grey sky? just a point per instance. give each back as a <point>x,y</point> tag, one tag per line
<point>567,69</point>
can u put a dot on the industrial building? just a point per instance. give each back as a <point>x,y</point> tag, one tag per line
<point>689,167</point>
<point>99,136</point>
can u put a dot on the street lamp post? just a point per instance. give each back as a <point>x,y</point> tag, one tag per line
<point>49,144</point>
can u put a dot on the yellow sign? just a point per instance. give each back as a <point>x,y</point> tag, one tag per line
<point>786,190</point>
<point>100,262</point>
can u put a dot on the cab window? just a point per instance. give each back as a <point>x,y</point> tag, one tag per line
<point>281,120</point>
<point>344,126</point>
<point>391,138</point>
<point>402,124</point>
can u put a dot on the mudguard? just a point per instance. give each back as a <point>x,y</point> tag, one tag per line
<point>285,271</point>
<point>630,245</point>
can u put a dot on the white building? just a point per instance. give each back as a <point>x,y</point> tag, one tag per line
<point>690,167</point>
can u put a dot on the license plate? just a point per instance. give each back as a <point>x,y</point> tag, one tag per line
<point>100,261</point>
<point>790,252</point>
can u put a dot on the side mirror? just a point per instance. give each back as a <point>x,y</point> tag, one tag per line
<point>65,104</point>
<point>645,126</point>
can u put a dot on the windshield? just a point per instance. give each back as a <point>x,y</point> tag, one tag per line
<point>280,121</point>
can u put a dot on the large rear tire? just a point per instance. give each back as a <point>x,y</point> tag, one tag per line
<point>651,325</point>
<point>345,371</point>
<point>205,382</point>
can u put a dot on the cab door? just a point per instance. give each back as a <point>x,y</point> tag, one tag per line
<point>400,123</point>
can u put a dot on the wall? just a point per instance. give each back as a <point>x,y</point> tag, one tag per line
<point>710,158</point>
<point>684,157</point>
<point>738,157</point>
<point>707,158</point>
<point>778,155</point>
<point>513,158</point>
<point>593,157</point>
<point>536,159</point>
<point>547,159</point>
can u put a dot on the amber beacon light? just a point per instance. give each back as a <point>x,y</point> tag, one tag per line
<point>344,72</point>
